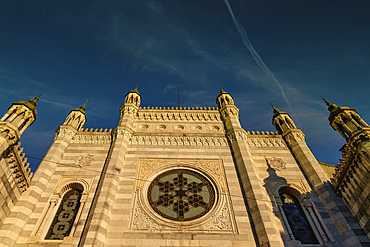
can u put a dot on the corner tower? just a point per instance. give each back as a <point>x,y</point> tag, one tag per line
<point>335,207</point>
<point>352,177</point>
<point>19,116</point>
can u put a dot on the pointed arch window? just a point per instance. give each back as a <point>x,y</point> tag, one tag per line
<point>297,220</point>
<point>65,216</point>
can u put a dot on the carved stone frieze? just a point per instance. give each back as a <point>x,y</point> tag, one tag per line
<point>220,222</point>
<point>294,136</point>
<point>266,142</point>
<point>178,140</point>
<point>18,165</point>
<point>276,163</point>
<point>184,116</point>
<point>141,220</point>
<point>64,132</point>
<point>148,166</point>
<point>91,138</point>
<point>84,160</point>
<point>11,135</point>
<point>260,141</point>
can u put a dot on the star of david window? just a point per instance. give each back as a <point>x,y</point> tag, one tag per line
<point>181,195</point>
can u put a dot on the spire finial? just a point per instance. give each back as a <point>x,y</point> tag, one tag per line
<point>331,107</point>
<point>275,109</point>
<point>38,97</point>
<point>327,102</point>
<point>222,91</point>
<point>84,106</point>
<point>34,101</point>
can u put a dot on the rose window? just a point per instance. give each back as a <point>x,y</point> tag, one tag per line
<point>181,195</point>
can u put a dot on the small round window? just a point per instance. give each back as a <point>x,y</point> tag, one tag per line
<point>181,195</point>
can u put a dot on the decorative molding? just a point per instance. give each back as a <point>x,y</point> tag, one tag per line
<point>178,140</point>
<point>92,139</point>
<point>266,142</point>
<point>141,221</point>
<point>9,132</point>
<point>18,166</point>
<point>260,141</point>
<point>229,111</point>
<point>293,136</point>
<point>210,166</point>
<point>276,163</point>
<point>84,160</point>
<point>178,116</point>
<point>220,222</point>
<point>64,131</point>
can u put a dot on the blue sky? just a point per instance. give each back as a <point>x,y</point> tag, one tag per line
<point>99,50</point>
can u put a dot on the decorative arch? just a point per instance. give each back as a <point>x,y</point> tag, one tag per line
<point>299,218</point>
<point>293,189</point>
<point>70,184</point>
<point>64,209</point>
<point>65,216</point>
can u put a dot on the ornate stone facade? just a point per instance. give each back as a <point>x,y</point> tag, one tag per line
<point>175,176</point>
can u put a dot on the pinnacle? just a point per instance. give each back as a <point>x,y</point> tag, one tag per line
<point>222,91</point>
<point>34,101</point>
<point>327,102</point>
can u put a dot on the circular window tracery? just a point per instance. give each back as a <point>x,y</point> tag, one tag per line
<point>181,195</point>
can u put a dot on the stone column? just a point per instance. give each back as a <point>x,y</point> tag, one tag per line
<point>256,195</point>
<point>96,226</point>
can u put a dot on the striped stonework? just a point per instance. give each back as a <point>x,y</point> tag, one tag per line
<point>115,171</point>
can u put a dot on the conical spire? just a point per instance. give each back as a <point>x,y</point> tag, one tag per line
<point>273,107</point>
<point>82,108</point>
<point>34,101</point>
<point>135,91</point>
<point>331,106</point>
<point>327,102</point>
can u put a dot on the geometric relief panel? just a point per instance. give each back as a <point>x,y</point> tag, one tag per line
<point>177,195</point>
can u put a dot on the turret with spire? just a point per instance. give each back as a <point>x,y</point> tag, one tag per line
<point>133,97</point>
<point>19,116</point>
<point>282,120</point>
<point>130,106</point>
<point>224,99</point>
<point>77,117</point>
<point>345,120</point>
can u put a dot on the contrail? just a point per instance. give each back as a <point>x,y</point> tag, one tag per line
<point>257,58</point>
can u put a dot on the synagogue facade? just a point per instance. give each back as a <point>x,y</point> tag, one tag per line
<point>170,176</point>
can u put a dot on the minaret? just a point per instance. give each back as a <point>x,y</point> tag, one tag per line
<point>19,116</point>
<point>76,118</point>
